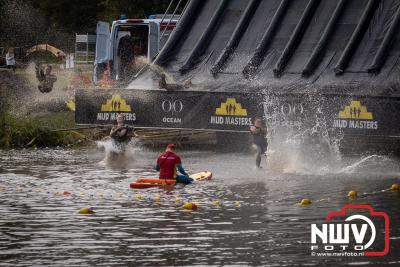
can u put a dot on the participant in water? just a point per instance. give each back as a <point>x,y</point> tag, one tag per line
<point>120,135</point>
<point>259,131</point>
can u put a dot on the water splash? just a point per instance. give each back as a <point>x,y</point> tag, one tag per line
<point>119,155</point>
<point>371,164</point>
<point>298,145</point>
<point>305,145</point>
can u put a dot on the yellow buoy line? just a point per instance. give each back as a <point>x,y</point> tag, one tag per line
<point>184,203</point>
<point>188,204</point>
<point>352,195</point>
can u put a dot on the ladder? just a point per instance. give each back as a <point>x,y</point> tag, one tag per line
<point>170,18</point>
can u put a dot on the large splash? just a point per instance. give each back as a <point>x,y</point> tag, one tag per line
<point>305,144</point>
<point>119,155</point>
<point>300,146</point>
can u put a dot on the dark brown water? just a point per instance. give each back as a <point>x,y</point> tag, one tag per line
<point>257,223</point>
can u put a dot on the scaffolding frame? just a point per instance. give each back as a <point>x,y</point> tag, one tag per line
<point>85,47</point>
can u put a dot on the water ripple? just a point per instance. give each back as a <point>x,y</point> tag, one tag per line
<point>245,216</point>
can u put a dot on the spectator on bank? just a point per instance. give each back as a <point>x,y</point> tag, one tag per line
<point>10,59</point>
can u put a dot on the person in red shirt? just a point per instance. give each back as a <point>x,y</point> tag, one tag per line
<point>168,163</point>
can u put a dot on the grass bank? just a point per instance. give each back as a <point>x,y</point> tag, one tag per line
<point>39,131</point>
<point>28,118</point>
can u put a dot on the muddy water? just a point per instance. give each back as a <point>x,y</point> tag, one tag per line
<point>245,217</point>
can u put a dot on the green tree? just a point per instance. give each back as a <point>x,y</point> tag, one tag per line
<point>20,23</point>
<point>70,15</point>
<point>29,22</point>
<point>112,9</point>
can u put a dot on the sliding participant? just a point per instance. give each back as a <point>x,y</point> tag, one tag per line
<point>120,136</point>
<point>259,131</point>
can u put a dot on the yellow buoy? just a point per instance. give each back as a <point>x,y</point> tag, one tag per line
<point>395,187</point>
<point>305,201</point>
<point>217,202</point>
<point>189,206</point>
<point>157,198</point>
<point>86,211</point>
<point>139,197</point>
<point>177,200</point>
<point>352,194</point>
<point>237,203</point>
<point>71,105</point>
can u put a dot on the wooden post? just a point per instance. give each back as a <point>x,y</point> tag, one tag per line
<point>87,47</point>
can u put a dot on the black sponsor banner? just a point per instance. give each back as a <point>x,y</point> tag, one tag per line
<point>161,109</point>
<point>353,115</point>
<point>365,115</point>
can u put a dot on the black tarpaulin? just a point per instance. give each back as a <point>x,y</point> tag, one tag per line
<point>357,34</point>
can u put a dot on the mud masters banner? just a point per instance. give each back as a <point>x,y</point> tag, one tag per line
<point>161,109</point>
<point>350,114</point>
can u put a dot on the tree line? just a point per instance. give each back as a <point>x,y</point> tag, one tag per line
<point>29,22</point>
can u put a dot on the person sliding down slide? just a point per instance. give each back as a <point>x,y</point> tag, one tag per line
<point>168,163</point>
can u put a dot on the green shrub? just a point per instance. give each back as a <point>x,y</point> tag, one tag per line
<point>38,131</point>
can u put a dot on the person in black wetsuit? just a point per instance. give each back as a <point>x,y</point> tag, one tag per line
<point>120,134</point>
<point>259,131</point>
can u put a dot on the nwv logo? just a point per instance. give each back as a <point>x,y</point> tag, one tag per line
<point>355,233</point>
<point>340,233</point>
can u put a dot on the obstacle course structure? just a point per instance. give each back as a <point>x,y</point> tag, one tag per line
<point>307,61</point>
<point>339,60</point>
<point>281,44</point>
